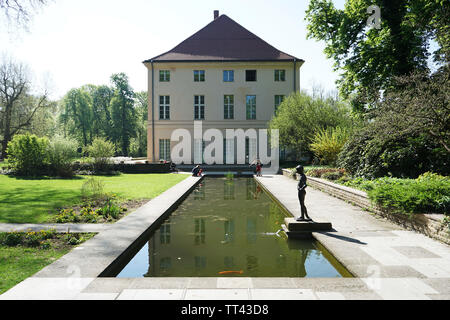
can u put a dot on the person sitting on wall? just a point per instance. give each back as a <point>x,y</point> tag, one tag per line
<point>173,167</point>
<point>195,171</point>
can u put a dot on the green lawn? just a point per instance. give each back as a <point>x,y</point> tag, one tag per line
<point>19,263</point>
<point>22,261</point>
<point>36,200</point>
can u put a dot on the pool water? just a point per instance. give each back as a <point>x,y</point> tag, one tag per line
<point>229,227</point>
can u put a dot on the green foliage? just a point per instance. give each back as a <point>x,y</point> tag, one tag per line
<point>370,153</point>
<point>368,59</point>
<point>408,133</point>
<point>77,116</point>
<point>67,216</point>
<point>114,113</point>
<point>12,238</point>
<point>327,144</point>
<point>101,151</point>
<point>138,145</point>
<point>28,239</point>
<point>28,154</point>
<point>326,173</point>
<point>89,215</point>
<point>111,210</point>
<point>108,210</point>
<point>429,193</point>
<point>300,116</point>
<point>61,153</point>
<point>74,239</point>
<point>123,112</point>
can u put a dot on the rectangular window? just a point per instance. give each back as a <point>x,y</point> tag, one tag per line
<point>280,75</point>
<point>228,107</point>
<point>164,107</point>
<point>228,76</point>
<point>251,107</point>
<point>164,149</point>
<point>250,75</point>
<point>164,75</point>
<point>278,100</point>
<point>199,75</point>
<point>199,107</point>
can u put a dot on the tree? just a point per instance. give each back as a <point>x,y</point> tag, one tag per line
<point>327,144</point>
<point>77,116</point>
<point>20,11</point>
<point>18,106</point>
<point>409,133</point>
<point>101,107</point>
<point>421,106</point>
<point>123,112</point>
<point>369,58</point>
<point>28,154</point>
<point>139,144</point>
<point>300,116</point>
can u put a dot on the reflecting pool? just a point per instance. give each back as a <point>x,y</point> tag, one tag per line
<point>229,227</point>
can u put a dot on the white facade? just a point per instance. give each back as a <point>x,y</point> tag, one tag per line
<point>182,107</point>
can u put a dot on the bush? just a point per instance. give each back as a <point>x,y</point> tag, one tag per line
<point>370,154</point>
<point>327,144</point>
<point>101,151</point>
<point>326,173</point>
<point>92,190</point>
<point>430,193</point>
<point>61,153</point>
<point>300,115</point>
<point>12,239</point>
<point>30,238</point>
<point>27,154</point>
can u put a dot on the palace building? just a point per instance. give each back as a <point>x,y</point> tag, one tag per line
<point>224,76</point>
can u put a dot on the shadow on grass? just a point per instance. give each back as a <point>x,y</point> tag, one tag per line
<point>44,178</point>
<point>34,205</point>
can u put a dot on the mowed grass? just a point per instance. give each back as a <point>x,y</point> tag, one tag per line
<point>19,263</point>
<point>37,200</point>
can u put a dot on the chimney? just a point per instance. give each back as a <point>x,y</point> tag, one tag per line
<point>216,14</point>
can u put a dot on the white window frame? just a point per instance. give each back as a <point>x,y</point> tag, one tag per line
<point>278,76</point>
<point>199,107</point>
<point>198,76</point>
<point>164,75</point>
<point>164,108</point>
<point>164,149</point>
<point>250,109</point>
<point>226,76</point>
<point>228,107</point>
<point>278,102</point>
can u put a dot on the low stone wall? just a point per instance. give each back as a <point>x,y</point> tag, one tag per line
<point>428,224</point>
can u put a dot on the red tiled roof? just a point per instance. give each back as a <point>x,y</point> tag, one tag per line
<point>223,40</point>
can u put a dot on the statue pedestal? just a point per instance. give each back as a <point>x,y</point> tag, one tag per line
<point>304,229</point>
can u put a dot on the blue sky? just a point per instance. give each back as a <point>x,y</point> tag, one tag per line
<point>72,43</point>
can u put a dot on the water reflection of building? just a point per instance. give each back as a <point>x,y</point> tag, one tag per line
<point>213,236</point>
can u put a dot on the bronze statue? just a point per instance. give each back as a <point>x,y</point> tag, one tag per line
<point>302,193</point>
